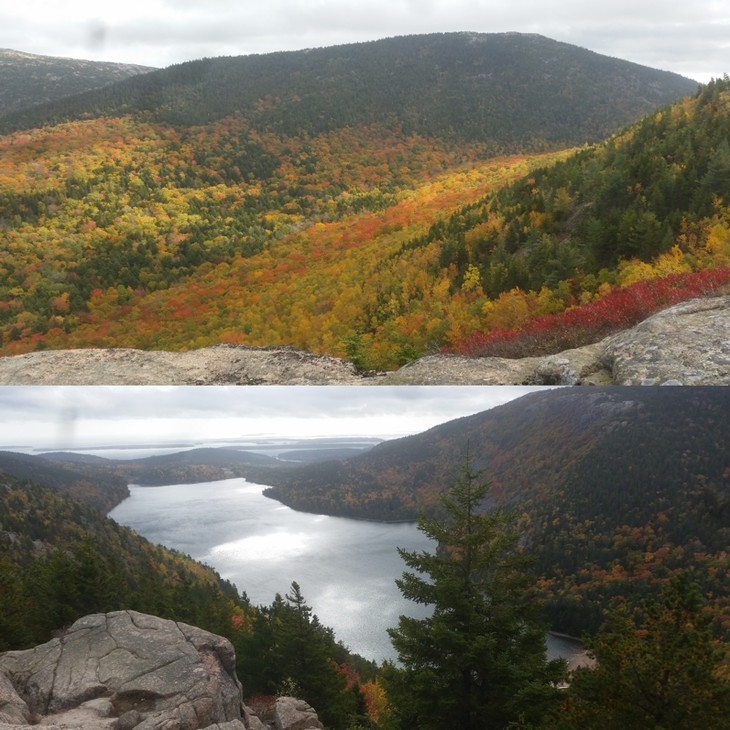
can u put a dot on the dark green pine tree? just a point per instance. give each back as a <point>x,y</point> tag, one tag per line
<point>717,178</point>
<point>479,660</point>
<point>666,671</point>
<point>15,606</point>
<point>257,671</point>
<point>303,651</point>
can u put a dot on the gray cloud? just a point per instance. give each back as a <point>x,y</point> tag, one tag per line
<point>111,402</point>
<point>34,416</point>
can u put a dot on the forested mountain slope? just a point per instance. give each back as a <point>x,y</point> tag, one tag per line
<point>529,447</point>
<point>326,212</point>
<point>27,79</point>
<point>59,559</point>
<point>102,483</point>
<point>511,90</point>
<point>660,187</point>
<point>616,487</point>
<point>99,488</point>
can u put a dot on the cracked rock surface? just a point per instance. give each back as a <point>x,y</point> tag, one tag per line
<point>123,671</point>
<point>687,344</point>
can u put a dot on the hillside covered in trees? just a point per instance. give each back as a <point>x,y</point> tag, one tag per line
<point>27,79</point>
<point>611,497</point>
<point>616,488</point>
<point>337,200</point>
<point>99,488</point>
<point>650,202</point>
<point>62,558</point>
<point>512,90</point>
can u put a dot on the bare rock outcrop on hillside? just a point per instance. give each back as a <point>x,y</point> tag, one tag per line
<point>687,344</point>
<point>129,671</point>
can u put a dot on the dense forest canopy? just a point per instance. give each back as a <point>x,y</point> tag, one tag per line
<point>318,217</point>
<point>637,196</point>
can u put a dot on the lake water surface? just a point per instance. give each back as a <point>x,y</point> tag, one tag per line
<point>346,568</point>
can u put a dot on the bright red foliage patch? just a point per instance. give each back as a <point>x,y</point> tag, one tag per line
<point>619,309</point>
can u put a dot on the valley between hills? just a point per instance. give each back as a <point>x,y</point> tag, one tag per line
<point>585,469</point>
<point>476,194</point>
<point>617,492</point>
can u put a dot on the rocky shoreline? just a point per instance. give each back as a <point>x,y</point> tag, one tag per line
<point>687,344</point>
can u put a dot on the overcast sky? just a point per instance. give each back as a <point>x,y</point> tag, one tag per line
<point>77,417</point>
<point>690,38</point>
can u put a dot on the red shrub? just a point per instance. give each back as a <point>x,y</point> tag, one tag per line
<point>619,309</point>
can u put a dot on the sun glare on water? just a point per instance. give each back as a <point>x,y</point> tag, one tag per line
<point>276,546</point>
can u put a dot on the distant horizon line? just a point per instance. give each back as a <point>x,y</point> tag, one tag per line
<point>262,441</point>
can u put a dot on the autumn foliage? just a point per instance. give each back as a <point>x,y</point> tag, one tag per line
<point>365,242</point>
<point>160,239</point>
<point>617,310</point>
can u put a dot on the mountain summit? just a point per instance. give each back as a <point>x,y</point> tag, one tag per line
<point>512,89</point>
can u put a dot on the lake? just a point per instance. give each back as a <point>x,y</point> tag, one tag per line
<point>346,568</point>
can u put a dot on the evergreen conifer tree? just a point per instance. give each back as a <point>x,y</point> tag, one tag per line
<point>304,652</point>
<point>666,671</point>
<point>479,660</point>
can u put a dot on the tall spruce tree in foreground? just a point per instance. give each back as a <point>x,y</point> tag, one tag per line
<point>295,654</point>
<point>479,660</point>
